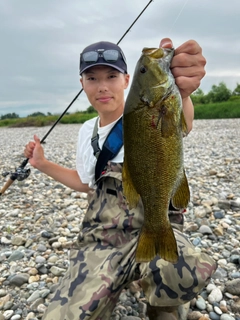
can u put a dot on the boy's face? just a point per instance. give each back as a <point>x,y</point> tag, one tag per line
<point>104,87</point>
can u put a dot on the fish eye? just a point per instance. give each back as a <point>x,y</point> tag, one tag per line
<point>143,69</point>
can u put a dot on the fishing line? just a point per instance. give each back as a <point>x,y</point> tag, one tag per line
<point>21,173</point>
<point>180,12</point>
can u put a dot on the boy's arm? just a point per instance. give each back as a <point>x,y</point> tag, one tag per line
<point>70,178</point>
<point>188,110</point>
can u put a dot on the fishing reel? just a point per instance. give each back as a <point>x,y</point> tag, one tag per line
<point>20,174</point>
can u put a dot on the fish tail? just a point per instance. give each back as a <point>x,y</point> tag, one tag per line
<point>151,244</point>
<point>167,248</point>
<point>146,247</point>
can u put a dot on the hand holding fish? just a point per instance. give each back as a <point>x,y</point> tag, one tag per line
<point>187,65</point>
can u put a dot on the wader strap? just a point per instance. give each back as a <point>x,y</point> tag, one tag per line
<point>111,146</point>
<point>94,140</point>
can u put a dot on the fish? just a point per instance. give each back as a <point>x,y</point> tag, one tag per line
<point>153,166</point>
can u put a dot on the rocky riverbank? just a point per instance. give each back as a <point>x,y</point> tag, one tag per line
<point>39,218</point>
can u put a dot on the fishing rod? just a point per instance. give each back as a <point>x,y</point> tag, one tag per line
<point>21,173</point>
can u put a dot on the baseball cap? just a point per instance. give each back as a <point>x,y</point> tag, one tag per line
<point>103,53</point>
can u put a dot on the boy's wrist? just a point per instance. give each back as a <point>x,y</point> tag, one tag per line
<point>185,99</point>
<point>42,164</point>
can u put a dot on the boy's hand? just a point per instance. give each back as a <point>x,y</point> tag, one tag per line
<point>34,152</point>
<point>187,65</point>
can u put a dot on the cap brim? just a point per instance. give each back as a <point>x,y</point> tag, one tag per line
<point>103,64</point>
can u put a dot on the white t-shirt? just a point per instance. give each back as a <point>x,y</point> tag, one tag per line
<point>86,161</point>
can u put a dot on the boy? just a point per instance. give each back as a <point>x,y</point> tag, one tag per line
<point>102,261</point>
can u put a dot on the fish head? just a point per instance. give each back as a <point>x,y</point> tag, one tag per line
<point>152,79</point>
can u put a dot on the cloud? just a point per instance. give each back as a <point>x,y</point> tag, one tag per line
<point>41,42</point>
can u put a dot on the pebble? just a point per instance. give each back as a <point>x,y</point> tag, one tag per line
<point>19,279</point>
<point>57,271</point>
<point>205,230</point>
<point>217,310</point>
<point>18,240</point>
<point>200,303</point>
<point>3,292</point>
<point>40,259</point>
<point>233,286</point>
<point>40,218</point>
<point>226,317</point>
<point>130,318</point>
<point>214,316</point>
<point>194,315</point>
<point>8,314</point>
<point>16,255</point>
<point>215,295</point>
<point>16,317</point>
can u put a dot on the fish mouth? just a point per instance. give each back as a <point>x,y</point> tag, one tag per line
<point>158,53</point>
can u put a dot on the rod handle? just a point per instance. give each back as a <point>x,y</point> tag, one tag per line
<point>7,185</point>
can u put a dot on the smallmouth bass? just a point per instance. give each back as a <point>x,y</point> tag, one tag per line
<point>153,129</point>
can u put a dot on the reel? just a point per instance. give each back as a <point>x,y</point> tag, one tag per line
<point>20,174</point>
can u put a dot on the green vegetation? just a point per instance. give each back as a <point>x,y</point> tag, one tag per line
<point>222,110</point>
<point>37,114</point>
<point>43,120</point>
<point>218,103</point>
<point>78,117</point>
<point>9,116</point>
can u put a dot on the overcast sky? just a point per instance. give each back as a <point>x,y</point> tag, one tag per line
<point>41,41</point>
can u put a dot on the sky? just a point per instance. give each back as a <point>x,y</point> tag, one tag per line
<point>41,42</point>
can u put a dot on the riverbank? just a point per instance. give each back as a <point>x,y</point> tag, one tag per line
<point>39,218</point>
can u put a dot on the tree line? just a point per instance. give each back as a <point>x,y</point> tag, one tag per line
<point>13,115</point>
<point>218,93</point>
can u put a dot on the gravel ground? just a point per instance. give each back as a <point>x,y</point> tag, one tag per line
<point>39,218</point>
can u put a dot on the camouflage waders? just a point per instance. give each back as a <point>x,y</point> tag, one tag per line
<point>102,261</point>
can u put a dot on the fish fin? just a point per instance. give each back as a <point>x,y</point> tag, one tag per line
<point>162,243</point>
<point>168,125</point>
<point>128,188</point>
<point>166,122</point>
<point>184,125</point>
<point>181,196</point>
